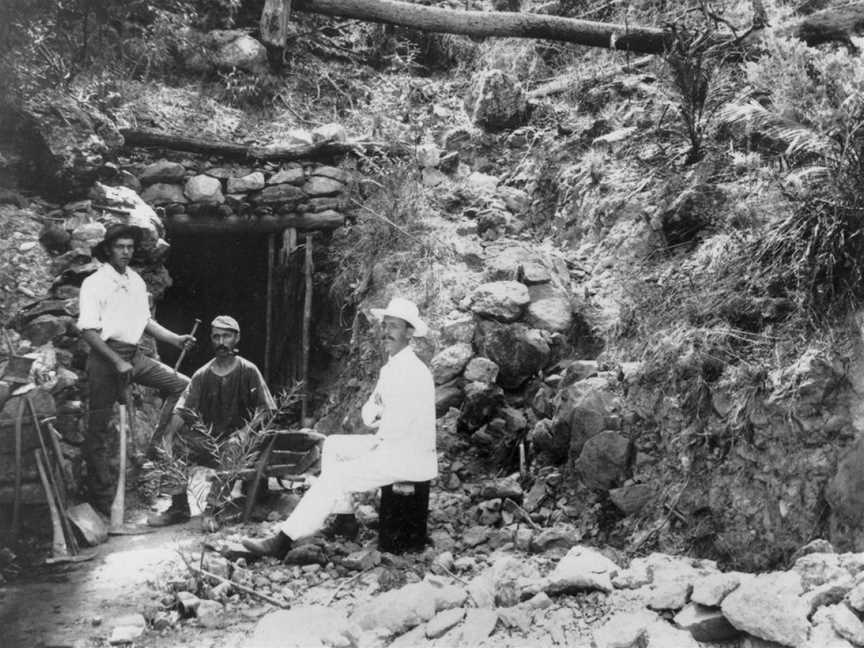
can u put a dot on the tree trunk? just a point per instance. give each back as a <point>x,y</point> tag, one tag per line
<point>645,40</point>
<point>147,138</point>
<point>274,21</point>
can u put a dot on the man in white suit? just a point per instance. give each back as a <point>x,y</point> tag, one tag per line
<point>402,409</point>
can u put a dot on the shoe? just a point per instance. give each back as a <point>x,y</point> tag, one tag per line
<point>177,513</point>
<point>345,525</point>
<point>276,545</point>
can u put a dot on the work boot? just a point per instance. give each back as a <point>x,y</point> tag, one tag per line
<point>345,525</point>
<point>276,545</point>
<point>175,514</point>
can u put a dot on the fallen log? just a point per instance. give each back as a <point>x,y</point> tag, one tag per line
<point>836,25</point>
<point>630,38</point>
<point>148,138</point>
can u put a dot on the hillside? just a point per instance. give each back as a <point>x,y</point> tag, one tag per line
<point>642,273</point>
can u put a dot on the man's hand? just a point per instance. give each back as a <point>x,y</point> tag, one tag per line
<point>185,341</point>
<point>123,367</point>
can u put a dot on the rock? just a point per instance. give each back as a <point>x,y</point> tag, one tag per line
<point>122,635</point>
<point>211,614</point>
<point>295,176</point>
<point>855,597</point>
<point>625,630</point>
<point>204,189</point>
<point>844,621</point>
<point>188,602</point>
<point>554,538</point>
<point>669,594</point>
<point>86,236</point>
<point>603,460</point>
<point>827,594</point>
<point>321,186</point>
<point>303,627</point>
<point>481,370</point>
<point>334,173</point>
<point>500,300</point>
<point>582,568</point>
<point>475,535</point>
<point>635,576</point>
<point>520,352</point>
<point>458,330</point>
<point>396,611</point>
<point>45,328</point>
<point>444,593</point>
<point>160,193</point>
<point>496,101</point>
<point>74,141</point>
<point>236,49</point>
<point>362,560</point>
<point>661,634</point>
<point>308,554</point>
<point>516,617</point>
<point>447,396</point>
<point>251,182</point>
<point>503,487</point>
<point>480,402</point>
<point>633,498</point>
<point>479,624</point>
<point>705,624</point>
<point>325,220</point>
<point>712,589</point>
<point>134,620</point>
<point>414,638</point>
<point>443,621</point>
<point>549,310</point>
<point>449,363</point>
<point>823,635</point>
<point>286,195</point>
<point>517,202</point>
<point>818,569</point>
<point>332,132</point>
<point>768,606</point>
<point>162,171</point>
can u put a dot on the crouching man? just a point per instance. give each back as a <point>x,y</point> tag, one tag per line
<point>402,408</point>
<point>222,398</point>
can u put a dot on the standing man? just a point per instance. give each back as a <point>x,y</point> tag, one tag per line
<point>402,408</point>
<point>223,395</point>
<point>114,312</point>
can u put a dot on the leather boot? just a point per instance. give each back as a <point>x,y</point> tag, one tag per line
<point>276,545</point>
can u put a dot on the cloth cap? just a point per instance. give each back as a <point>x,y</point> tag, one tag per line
<point>406,310</point>
<point>225,322</point>
<point>114,232</point>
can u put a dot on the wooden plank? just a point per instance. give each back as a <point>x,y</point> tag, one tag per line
<point>185,224</point>
<point>307,324</point>
<point>268,324</point>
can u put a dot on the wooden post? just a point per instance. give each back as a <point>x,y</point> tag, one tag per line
<point>268,317</point>
<point>307,317</point>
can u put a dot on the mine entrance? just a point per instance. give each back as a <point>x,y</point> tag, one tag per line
<point>216,274</point>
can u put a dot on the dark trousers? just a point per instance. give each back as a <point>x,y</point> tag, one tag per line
<point>105,390</point>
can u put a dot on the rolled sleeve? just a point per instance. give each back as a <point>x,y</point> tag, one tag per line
<point>89,315</point>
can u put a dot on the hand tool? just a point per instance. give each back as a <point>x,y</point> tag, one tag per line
<point>16,497</point>
<point>59,549</point>
<point>186,347</point>
<point>118,506</point>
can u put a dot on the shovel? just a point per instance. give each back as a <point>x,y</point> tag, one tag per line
<point>17,369</point>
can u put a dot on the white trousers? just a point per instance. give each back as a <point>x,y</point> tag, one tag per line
<point>348,465</point>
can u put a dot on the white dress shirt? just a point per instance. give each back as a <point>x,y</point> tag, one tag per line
<point>402,407</point>
<point>114,304</point>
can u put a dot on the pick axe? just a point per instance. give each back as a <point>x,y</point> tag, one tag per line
<point>118,506</point>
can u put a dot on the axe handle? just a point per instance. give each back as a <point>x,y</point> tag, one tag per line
<point>118,506</point>
<point>16,501</point>
<point>58,541</point>
<point>185,349</point>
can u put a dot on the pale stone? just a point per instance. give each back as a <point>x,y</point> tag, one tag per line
<point>205,189</point>
<point>251,182</point>
<point>582,568</point>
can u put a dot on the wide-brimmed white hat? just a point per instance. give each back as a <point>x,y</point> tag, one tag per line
<point>404,309</point>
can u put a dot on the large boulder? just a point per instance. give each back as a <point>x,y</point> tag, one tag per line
<point>162,193</point>
<point>235,49</point>
<point>583,568</point>
<point>519,351</point>
<point>449,362</point>
<point>496,101</point>
<point>500,300</point>
<point>72,141</point>
<point>549,309</point>
<point>582,410</point>
<point>129,208</point>
<point>396,611</point>
<point>303,627</point>
<point>481,401</point>
<point>162,171</point>
<point>603,460</point>
<point>204,189</point>
<point>768,606</point>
